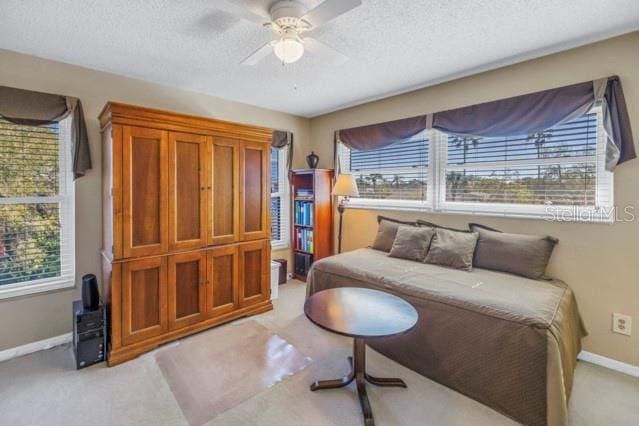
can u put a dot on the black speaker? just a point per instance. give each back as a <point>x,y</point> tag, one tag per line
<point>90,293</point>
<point>89,334</point>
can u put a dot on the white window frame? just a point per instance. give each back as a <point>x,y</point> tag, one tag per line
<point>602,212</point>
<point>66,202</point>
<point>284,194</point>
<point>389,204</point>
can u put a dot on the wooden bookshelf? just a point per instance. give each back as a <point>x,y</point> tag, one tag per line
<point>311,218</point>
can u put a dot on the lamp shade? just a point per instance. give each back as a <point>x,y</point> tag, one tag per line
<point>346,186</point>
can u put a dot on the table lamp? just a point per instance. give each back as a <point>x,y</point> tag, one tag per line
<point>345,187</point>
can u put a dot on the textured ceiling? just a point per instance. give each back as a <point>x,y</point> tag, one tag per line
<point>393,45</point>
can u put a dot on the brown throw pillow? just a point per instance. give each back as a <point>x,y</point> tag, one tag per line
<point>452,248</point>
<point>411,242</point>
<point>519,254</point>
<point>386,232</point>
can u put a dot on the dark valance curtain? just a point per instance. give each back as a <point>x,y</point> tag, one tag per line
<point>519,115</point>
<point>281,139</point>
<point>535,112</point>
<point>376,136</point>
<point>617,122</point>
<point>31,108</point>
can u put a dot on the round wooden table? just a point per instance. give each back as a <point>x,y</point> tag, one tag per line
<point>362,314</point>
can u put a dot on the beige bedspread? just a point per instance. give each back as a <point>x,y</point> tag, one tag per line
<point>507,341</point>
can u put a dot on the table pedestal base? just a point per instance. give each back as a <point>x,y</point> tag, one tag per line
<point>358,373</point>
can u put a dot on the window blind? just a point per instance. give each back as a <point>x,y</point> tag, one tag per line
<point>275,170</point>
<point>36,205</point>
<point>577,138</point>
<point>555,167</point>
<point>279,198</point>
<point>561,169</point>
<point>275,218</point>
<point>395,172</point>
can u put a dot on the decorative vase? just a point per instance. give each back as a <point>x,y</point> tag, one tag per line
<point>312,160</point>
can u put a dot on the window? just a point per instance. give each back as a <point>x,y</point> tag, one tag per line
<point>36,208</point>
<point>279,199</point>
<point>560,171</point>
<point>396,175</point>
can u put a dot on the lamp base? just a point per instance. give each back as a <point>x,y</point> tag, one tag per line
<point>341,208</point>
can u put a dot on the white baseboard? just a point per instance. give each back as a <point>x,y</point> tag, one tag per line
<point>40,345</point>
<point>610,363</point>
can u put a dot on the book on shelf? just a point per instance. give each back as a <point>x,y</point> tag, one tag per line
<point>304,213</point>
<point>303,263</point>
<point>304,239</point>
<point>303,192</point>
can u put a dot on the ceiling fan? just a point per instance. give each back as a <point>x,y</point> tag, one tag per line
<point>290,20</point>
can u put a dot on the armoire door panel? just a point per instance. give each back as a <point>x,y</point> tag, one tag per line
<point>224,195</point>
<point>187,283</point>
<point>222,291</point>
<point>254,191</point>
<point>186,289</point>
<point>253,197</point>
<point>187,191</point>
<point>252,273</point>
<point>254,258</point>
<point>144,184</point>
<point>144,299</point>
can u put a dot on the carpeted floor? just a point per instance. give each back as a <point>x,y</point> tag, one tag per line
<point>44,389</point>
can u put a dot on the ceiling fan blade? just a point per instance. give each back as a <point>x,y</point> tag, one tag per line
<point>242,12</point>
<point>326,52</point>
<point>258,55</point>
<point>328,10</point>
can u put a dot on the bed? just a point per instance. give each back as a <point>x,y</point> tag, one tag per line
<point>506,341</point>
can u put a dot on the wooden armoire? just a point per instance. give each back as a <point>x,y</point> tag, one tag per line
<point>186,224</point>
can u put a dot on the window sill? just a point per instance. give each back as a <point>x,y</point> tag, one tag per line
<point>397,205</point>
<point>562,215</point>
<point>24,289</point>
<point>279,245</point>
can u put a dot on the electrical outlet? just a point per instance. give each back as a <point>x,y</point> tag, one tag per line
<point>621,324</point>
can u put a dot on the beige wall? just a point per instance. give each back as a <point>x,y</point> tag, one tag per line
<point>599,261</point>
<point>32,318</point>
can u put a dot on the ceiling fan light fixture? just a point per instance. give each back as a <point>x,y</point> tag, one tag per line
<point>290,20</point>
<point>289,48</point>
